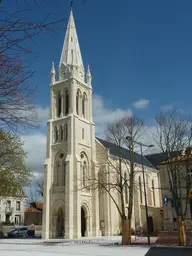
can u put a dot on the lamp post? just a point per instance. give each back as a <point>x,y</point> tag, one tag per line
<point>143,172</point>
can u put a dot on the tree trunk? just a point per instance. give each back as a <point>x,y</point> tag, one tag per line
<point>126,231</point>
<point>181,232</point>
<point>129,231</point>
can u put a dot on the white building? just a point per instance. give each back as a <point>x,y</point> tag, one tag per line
<point>12,210</point>
<point>73,150</point>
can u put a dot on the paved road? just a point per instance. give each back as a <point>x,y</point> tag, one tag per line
<point>169,252</point>
<point>27,247</point>
<point>69,250</point>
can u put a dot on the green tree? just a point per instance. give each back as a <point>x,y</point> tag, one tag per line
<point>14,174</point>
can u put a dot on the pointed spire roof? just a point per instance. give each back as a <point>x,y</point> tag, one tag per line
<point>88,71</point>
<point>71,53</point>
<point>53,68</point>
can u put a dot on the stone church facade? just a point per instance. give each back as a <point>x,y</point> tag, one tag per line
<point>73,152</point>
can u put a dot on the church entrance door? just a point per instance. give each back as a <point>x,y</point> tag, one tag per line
<point>60,223</point>
<point>83,222</point>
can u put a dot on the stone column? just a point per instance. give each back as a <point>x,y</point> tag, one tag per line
<point>80,105</point>
<point>107,216</point>
<point>46,204</point>
<point>90,116</point>
<point>77,199</point>
<point>72,98</point>
<point>95,210</point>
<point>88,230</point>
<point>54,106</point>
<point>107,213</point>
<point>62,104</point>
<point>64,99</point>
<point>69,200</point>
<point>60,170</point>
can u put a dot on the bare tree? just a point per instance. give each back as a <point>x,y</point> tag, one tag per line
<point>116,175</point>
<point>35,196</point>
<point>39,188</point>
<point>173,136</point>
<point>16,107</point>
<point>33,199</point>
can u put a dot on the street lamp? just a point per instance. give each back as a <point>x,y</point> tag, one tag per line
<point>145,194</point>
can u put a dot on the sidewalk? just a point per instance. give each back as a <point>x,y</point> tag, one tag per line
<point>101,240</point>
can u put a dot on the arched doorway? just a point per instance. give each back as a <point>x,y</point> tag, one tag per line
<point>60,224</point>
<point>83,222</point>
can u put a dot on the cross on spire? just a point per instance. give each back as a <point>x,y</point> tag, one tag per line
<point>71,3</point>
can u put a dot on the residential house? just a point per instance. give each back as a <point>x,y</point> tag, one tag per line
<point>12,210</point>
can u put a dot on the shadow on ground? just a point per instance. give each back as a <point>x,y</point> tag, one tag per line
<point>157,251</point>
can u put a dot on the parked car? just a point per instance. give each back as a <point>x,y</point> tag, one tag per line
<point>18,232</point>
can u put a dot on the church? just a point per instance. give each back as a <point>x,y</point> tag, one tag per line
<point>72,151</point>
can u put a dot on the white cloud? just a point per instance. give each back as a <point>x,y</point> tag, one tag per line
<point>42,115</point>
<point>149,138</point>
<point>171,107</point>
<point>141,104</point>
<point>35,147</point>
<point>167,107</point>
<point>103,115</point>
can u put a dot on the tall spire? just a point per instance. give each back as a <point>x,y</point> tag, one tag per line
<point>71,53</point>
<point>52,73</point>
<point>88,76</point>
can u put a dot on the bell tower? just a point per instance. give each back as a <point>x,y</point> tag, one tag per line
<point>70,146</point>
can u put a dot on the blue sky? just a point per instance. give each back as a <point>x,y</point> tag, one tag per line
<point>136,50</point>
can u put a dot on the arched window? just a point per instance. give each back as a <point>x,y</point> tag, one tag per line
<point>59,105</point>
<point>77,102</point>
<point>64,173</point>
<point>66,102</point>
<point>56,134</point>
<point>84,173</point>
<point>140,191</point>
<point>84,104</point>
<point>57,173</point>
<point>153,189</point>
<point>61,133</point>
<point>126,188</point>
<point>59,170</point>
<point>84,169</point>
<point>65,132</point>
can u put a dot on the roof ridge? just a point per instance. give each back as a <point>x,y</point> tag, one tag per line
<point>126,154</point>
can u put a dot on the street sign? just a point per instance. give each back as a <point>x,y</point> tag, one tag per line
<point>161,211</point>
<point>190,193</point>
<point>165,200</point>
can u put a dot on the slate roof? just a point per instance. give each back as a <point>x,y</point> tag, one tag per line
<point>125,153</point>
<point>32,209</point>
<point>158,158</point>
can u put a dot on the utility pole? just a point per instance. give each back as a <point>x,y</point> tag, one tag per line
<point>144,184</point>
